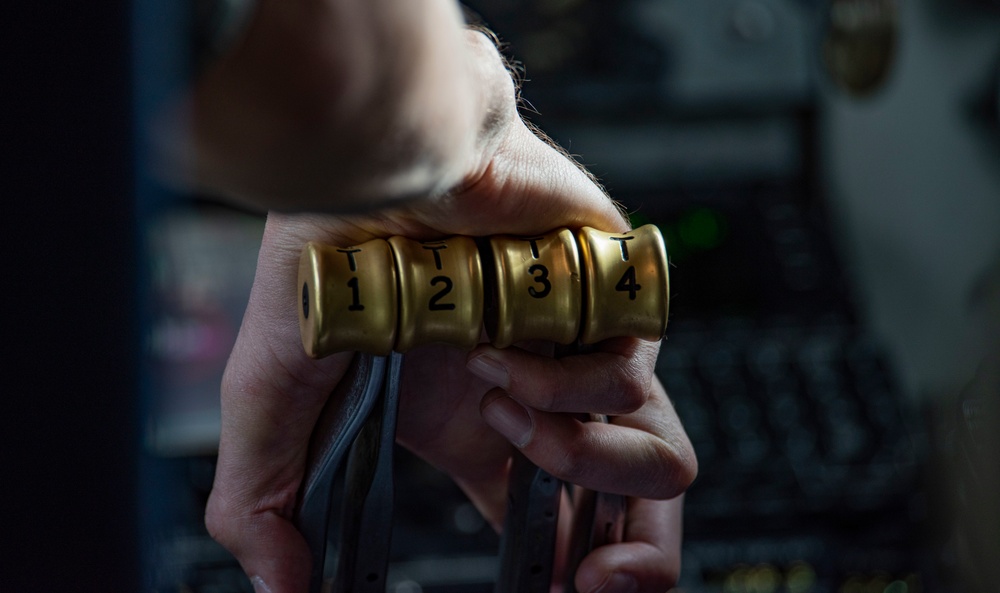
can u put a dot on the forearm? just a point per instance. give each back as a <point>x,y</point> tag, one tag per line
<point>344,105</point>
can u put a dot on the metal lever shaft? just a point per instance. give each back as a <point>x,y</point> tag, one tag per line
<point>527,550</point>
<point>528,546</point>
<point>341,421</point>
<point>366,525</point>
<point>360,417</point>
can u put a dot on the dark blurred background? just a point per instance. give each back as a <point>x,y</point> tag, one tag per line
<point>826,174</point>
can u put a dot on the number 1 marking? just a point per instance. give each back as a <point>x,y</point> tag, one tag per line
<point>355,296</point>
<point>437,256</point>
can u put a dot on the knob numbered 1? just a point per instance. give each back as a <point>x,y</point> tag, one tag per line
<point>560,287</point>
<point>349,299</point>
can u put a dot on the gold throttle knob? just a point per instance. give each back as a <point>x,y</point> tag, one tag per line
<point>627,288</point>
<point>440,292</point>
<point>398,294</point>
<point>348,298</point>
<point>537,289</point>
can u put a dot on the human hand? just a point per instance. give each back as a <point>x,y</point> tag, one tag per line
<point>273,393</point>
<point>453,403</point>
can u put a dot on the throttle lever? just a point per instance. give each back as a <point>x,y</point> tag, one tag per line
<point>360,420</point>
<point>366,524</point>
<point>384,296</point>
<point>338,426</point>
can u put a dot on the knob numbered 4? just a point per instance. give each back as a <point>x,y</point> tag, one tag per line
<point>626,284</point>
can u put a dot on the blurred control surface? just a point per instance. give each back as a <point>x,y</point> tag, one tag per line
<point>794,355</point>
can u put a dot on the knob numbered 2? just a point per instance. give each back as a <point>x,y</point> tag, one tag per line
<point>440,292</point>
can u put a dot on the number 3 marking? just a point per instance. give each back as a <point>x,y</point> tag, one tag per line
<point>542,278</point>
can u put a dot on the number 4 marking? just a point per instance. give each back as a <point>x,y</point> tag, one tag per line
<point>628,283</point>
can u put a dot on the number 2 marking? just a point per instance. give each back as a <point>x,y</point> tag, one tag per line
<point>434,304</point>
<point>628,283</point>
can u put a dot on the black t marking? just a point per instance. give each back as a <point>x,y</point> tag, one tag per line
<point>350,257</point>
<point>533,241</point>
<point>435,248</point>
<point>623,241</point>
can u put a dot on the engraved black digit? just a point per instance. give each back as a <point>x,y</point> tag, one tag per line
<point>540,274</point>
<point>623,241</point>
<point>355,296</point>
<point>350,258</point>
<point>628,283</point>
<point>437,256</point>
<point>305,300</point>
<point>435,304</point>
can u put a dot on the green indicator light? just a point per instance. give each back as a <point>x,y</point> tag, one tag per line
<point>701,229</point>
<point>638,219</point>
<point>675,246</point>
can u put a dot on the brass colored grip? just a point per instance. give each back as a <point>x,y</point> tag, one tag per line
<point>440,292</point>
<point>348,299</point>
<point>560,287</point>
<point>537,289</point>
<point>627,290</point>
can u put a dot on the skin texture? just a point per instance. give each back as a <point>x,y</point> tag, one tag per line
<point>420,129</point>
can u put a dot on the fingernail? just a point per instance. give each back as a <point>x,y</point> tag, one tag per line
<point>489,369</point>
<point>510,419</point>
<point>259,586</point>
<point>618,583</point>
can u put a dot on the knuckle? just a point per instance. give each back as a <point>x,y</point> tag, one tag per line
<point>540,390</point>
<point>217,520</point>
<point>573,461</point>
<point>632,394</point>
<point>548,395</point>
<point>688,470</point>
<point>631,388</point>
<point>671,572</point>
<point>679,468</point>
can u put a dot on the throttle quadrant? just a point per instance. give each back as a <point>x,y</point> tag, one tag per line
<point>397,294</point>
<point>385,297</point>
